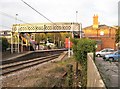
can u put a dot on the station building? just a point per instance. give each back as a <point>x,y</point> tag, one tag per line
<point>6,34</point>
<point>103,34</point>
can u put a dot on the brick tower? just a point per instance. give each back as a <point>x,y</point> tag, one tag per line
<point>95,21</point>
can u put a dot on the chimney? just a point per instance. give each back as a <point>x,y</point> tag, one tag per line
<point>95,21</point>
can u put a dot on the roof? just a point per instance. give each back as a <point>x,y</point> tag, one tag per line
<point>5,31</point>
<point>99,27</point>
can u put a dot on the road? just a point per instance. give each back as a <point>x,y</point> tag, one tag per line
<point>108,71</point>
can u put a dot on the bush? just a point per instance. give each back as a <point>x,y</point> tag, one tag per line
<point>80,49</point>
<point>5,43</point>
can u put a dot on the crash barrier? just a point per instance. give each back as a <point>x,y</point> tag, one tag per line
<point>93,76</point>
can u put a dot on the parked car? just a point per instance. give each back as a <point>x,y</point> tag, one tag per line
<point>113,56</point>
<point>8,49</point>
<point>104,52</point>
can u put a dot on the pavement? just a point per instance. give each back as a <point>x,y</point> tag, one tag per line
<point>108,71</point>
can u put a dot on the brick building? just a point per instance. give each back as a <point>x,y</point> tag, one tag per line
<point>103,34</point>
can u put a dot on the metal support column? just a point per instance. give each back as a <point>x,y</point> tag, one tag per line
<point>17,48</point>
<point>18,43</point>
<point>72,28</point>
<point>11,42</point>
<point>21,45</point>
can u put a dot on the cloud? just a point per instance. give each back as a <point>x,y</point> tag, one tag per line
<point>60,11</point>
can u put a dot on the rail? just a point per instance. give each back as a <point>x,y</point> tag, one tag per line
<point>13,67</point>
<point>28,60</point>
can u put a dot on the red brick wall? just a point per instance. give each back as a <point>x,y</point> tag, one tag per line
<point>108,42</point>
<point>108,39</point>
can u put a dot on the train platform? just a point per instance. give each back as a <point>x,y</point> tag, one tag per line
<point>7,55</point>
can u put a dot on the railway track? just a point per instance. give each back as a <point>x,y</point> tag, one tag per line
<point>20,65</point>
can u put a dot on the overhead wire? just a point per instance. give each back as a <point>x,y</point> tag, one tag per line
<point>5,26</point>
<point>37,11</point>
<point>24,21</point>
<point>12,17</point>
<point>5,14</point>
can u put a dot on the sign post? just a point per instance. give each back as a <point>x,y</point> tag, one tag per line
<point>69,47</point>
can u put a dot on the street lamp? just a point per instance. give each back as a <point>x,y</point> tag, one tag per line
<point>76,16</point>
<point>16,46</point>
<point>18,32</point>
<point>16,18</point>
<point>80,30</point>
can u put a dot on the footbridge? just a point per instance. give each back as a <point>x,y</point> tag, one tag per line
<point>20,32</point>
<point>46,27</point>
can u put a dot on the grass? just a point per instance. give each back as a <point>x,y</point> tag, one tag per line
<point>52,74</point>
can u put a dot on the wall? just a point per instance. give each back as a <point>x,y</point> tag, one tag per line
<point>93,77</point>
<point>107,40</point>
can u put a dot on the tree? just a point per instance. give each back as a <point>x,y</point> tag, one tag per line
<point>5,43</point>
<point>117,37</point>
<point>50,37</point>
<point>40,37</point>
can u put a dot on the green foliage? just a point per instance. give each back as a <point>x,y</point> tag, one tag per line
<point>81,47</point>
<point>117,38</point>
<point>40,37</point>
<point>5,43</point>
<point>69,78</point>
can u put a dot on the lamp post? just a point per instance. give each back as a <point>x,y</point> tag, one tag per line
<point>16,40</point>
<point>80,25</point>
<point>17,34</point>
<point>80,30</point>
<point>76,16</point>
<point>16,18</point>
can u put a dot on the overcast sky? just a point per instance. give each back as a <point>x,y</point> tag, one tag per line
<point>58,11</point>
